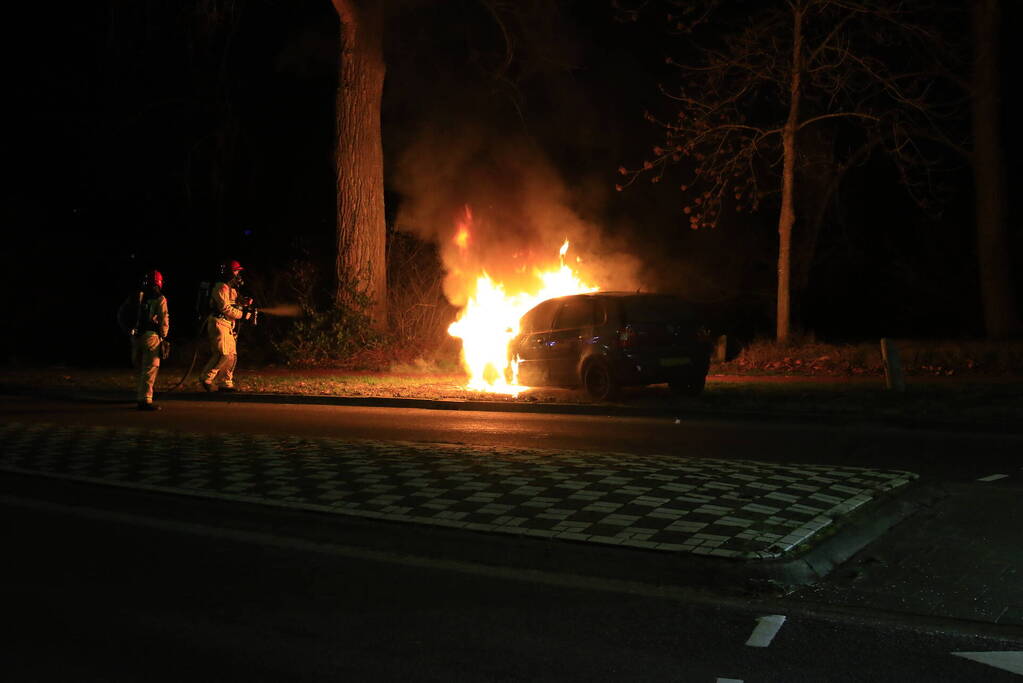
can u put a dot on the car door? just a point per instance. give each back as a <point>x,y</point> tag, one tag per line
<point>530,346</point>
<point>573,324</point>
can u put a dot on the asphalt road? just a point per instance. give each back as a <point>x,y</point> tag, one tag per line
<point>114,586</point>
<point>953,456</point>
<point>119,585</point>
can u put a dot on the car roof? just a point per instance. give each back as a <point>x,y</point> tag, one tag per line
<point>616,295</point>
<point>636,293</point>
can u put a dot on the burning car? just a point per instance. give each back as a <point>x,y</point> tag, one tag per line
<point>603,341</point>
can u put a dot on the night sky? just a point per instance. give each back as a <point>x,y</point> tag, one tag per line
<point>142,138</point>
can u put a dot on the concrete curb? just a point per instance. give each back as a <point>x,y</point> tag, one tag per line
<point>754,577</point>
<point>745,577</point>
<point>852,536</point>
<point>609,410</point>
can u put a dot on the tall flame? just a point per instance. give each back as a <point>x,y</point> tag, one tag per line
<point>490,319</point>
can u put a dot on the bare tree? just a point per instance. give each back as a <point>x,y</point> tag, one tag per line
<point>858,73</point>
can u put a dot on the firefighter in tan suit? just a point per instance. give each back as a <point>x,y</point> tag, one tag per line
<point>226,310</point>
<point>149,325</point>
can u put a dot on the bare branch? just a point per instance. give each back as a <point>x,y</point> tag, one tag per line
<point>838,115</point>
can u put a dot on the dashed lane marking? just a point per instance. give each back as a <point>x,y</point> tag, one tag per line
<point>767,628</point>
<point>994,477</point>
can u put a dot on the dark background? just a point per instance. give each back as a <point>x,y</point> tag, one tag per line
<point>145,134</point>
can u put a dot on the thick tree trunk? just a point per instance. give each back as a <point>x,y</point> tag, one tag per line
<point>361,227</point>
<point>1000,318</point>
<point>787,216</point>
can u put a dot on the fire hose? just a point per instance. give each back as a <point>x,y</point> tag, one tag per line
<point>195,356</point>
<point>250,315</point>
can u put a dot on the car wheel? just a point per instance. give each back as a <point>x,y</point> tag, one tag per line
<point>691,384</point>
<point>599,383</point>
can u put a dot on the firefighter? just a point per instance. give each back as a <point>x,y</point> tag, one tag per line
<point>227,309</point>
<point>148,322</point>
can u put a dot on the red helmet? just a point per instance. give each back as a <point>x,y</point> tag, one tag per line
<point>153,278</point>
<point>228,269</point>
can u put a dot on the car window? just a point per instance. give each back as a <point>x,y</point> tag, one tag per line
<point>577,312</point>
<point>539,318</point>
<point>656,309</point>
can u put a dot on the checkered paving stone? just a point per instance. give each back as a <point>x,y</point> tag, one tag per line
<point>725,508</point>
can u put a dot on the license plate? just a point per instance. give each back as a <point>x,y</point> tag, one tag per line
<point>674,362</point>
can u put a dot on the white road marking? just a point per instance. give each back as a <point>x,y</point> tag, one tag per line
<point>1009,660</point>
<point>767,628</point>
<point>993,477</point>
<point>729,680</point>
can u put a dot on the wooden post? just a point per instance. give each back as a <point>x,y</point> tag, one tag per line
<point>894,380</point>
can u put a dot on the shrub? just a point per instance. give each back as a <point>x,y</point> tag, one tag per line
<point>326,332</point>
<point>419,312</point>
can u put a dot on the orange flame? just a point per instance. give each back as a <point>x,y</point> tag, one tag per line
<point>490,318</point>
